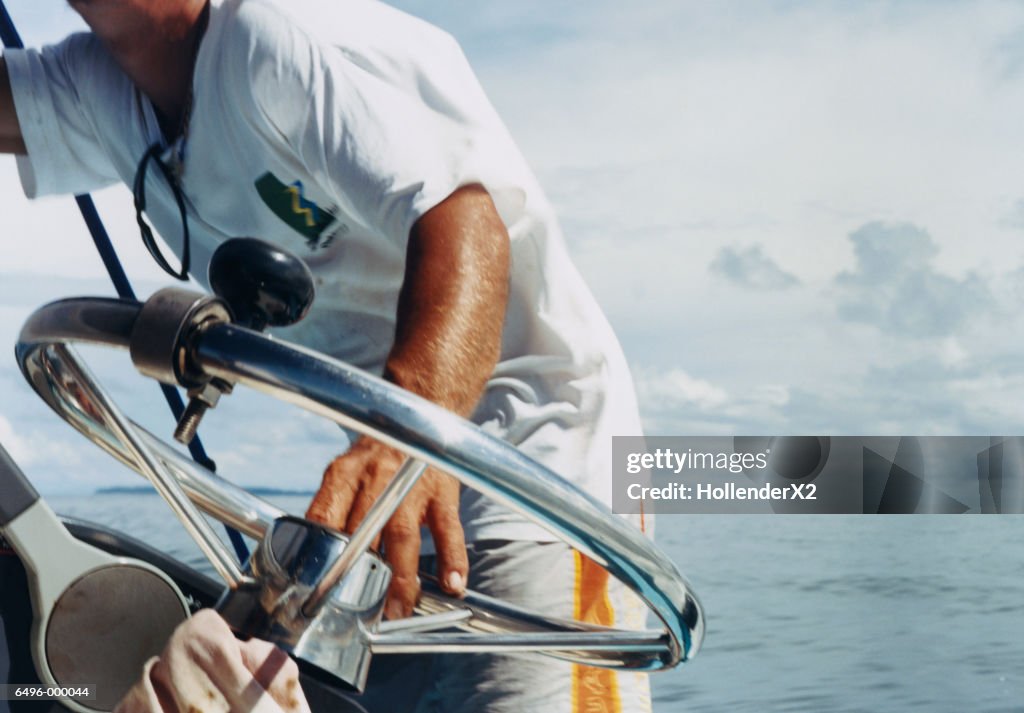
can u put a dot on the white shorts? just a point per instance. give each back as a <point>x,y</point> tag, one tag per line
<point>552,579</point>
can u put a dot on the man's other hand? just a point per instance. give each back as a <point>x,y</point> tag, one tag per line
<point>205,668</point>
<point>351,484</point>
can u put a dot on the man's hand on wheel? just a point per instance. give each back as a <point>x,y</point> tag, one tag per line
<point>448,328</point>
<point>351,484</point>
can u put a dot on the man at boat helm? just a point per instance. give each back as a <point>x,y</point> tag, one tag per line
<point>358,138</point>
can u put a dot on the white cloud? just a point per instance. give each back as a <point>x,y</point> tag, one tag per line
<point>677,388</point>
<point>750,267</point>
<point>952,353</point>
<point>1014,216</point>
<point>35,449</point>
<point>895,287</point>
<point>14,444</point>
<point>674,402</point>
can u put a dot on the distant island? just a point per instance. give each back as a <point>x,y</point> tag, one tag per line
<point>150,490</point>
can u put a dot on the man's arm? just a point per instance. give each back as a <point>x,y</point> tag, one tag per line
<point>10,130</point>
<point>448,339</point>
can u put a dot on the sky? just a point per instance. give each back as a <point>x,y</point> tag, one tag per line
<point>800,219</point>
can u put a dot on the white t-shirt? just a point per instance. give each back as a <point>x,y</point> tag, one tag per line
<point>329,128</point>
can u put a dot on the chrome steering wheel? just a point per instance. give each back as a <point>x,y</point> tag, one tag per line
<point>331,615</point>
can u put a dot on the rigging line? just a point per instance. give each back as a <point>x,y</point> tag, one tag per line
<point>11,39</point>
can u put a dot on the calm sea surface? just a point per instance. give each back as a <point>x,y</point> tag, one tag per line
<point>805,613</point>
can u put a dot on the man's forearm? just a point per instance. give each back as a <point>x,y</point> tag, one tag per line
<point>452,305</point>
<point>447,340</point>
<point>10,130</point>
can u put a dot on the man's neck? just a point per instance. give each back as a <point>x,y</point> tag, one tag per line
<point>155,43</point>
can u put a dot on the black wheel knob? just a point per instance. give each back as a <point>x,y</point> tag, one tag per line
<point>264,285</point>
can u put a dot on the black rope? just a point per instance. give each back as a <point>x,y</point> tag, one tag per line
<point>10,37</point>
<point>8,33</point>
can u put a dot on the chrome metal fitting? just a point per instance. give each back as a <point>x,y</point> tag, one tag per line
<point>283,573</point>
<point>200,400</point>
<point>161,339</point>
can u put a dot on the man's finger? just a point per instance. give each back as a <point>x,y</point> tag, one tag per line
<point>333,501</point>
<point>276,673</point>
<point>360,506</point>
<point>402,551</point>
<point>452,561</point>
<point>364,500</point>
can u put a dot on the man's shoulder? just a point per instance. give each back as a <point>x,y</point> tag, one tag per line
<point>278,49</point>
<point>338,23</point>
<point>81,66</point>
<point>84,52</point>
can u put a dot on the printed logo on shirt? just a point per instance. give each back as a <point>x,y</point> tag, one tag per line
<point>289,203</point>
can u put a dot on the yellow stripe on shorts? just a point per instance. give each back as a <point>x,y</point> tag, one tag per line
<point>594,690</point>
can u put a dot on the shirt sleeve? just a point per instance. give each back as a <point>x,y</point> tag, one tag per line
<point>389,133</point>
<point>64,153</point>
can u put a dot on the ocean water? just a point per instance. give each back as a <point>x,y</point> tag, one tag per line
<point>805,613</point>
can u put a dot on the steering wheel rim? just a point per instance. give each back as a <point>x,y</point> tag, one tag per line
<point>420,429</point>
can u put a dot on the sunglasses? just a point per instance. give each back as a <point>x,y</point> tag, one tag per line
<point>152,155</point>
